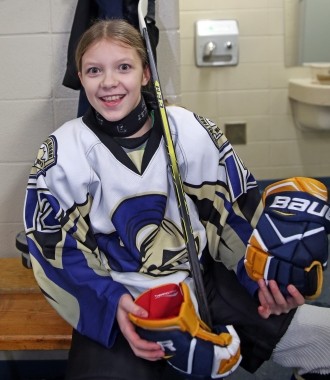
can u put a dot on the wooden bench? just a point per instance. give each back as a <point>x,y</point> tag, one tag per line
<point>27,320</point>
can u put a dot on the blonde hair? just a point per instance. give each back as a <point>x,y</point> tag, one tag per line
<point>116,30</point>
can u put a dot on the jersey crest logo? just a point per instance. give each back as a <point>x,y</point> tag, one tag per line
<point>144,240</point>
<point>213,130</point>
<point>47,156</point>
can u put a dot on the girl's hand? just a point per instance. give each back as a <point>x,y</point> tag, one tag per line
<point>141,348</point>
<point>272,300</point>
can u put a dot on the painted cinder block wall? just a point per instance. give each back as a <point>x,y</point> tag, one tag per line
<point>255,91</point>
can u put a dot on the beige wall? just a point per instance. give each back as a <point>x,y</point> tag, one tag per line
<point>33,43</point>
<point>255,91</point>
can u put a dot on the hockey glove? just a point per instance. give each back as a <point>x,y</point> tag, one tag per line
<point>290,242</point>
<point>189,345</point>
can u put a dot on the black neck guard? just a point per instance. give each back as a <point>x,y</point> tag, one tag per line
<point>127,126</point>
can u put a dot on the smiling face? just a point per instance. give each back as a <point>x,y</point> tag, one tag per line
<point>112,75</point>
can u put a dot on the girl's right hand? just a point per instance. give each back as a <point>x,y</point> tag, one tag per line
<point>141,348</point>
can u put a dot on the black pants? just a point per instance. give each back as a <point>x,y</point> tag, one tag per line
<point>229,304</point>
<point>90,361</point>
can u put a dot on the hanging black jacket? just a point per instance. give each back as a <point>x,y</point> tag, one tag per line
<point>87,12</point>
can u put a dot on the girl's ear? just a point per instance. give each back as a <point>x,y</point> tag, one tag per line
<point>146,76</point>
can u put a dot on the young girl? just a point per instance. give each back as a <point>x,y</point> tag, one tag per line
<point>103,225</point>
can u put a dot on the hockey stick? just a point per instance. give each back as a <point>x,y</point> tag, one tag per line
<point>177,181</point>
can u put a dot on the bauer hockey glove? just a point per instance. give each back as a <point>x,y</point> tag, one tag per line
<point>189,345</point>
<point>290,242</point>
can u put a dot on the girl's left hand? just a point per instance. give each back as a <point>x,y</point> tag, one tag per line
<point>272,301</point>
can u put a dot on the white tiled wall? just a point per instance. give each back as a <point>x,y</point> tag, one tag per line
<point>255,91</point>
<point>33,44</point>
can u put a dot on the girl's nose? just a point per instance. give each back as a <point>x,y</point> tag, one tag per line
<point>109,79</point>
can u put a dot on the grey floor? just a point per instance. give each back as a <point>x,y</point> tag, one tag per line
<point>270,370</point>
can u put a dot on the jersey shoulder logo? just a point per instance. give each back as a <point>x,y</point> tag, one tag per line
<point>47,156</point>
<point>213,130</point>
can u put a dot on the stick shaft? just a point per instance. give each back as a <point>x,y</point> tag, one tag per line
<point>177,181</point>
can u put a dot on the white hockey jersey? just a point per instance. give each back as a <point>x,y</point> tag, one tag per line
<point>97,227</point>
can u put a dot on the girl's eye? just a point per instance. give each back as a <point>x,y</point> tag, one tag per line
<point>93,70</point>
<point>124,67</point>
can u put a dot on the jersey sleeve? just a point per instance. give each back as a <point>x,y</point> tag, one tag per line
<point>225,192</point>
<point>67,263</point>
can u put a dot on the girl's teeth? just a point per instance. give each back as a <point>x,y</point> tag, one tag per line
<point>111,98</point>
